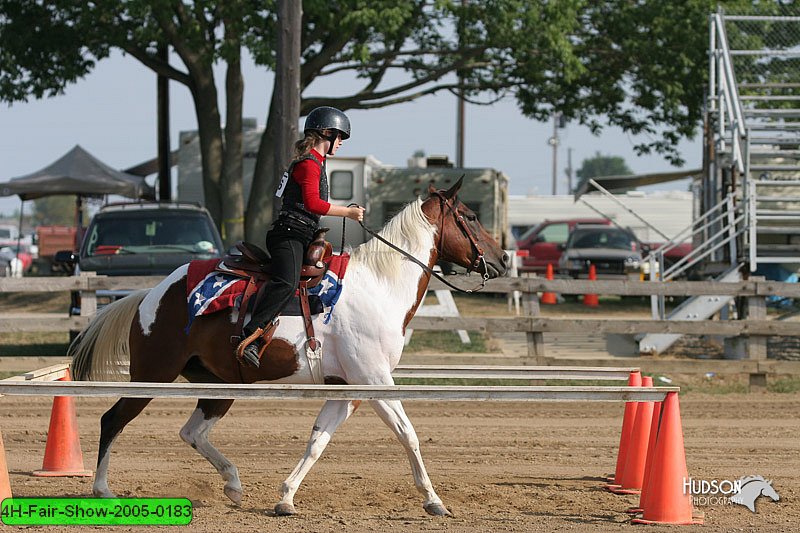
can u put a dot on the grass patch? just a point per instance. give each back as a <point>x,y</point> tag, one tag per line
<point>784,385</point>
<point>472,382</point>
<point>34,343</point>
<point>466,382</point>
<point>446,341</point>
<point>713,388</point>
<point>34,302</point>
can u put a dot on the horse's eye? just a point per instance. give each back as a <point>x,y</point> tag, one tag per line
<point>472,217</point>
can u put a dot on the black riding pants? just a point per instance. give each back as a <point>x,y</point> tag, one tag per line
<point>287,253</point>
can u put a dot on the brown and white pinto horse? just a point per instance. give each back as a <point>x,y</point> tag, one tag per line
<point>362,342</point>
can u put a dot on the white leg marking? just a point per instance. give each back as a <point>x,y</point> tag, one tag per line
<point>100,488</point>
<point>195,433</point>
<point>333,413</point>
<point>394,416</point>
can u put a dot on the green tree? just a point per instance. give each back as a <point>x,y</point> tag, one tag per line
<point>603,165</point>
<point>54,210</point>
<point>636,65</point>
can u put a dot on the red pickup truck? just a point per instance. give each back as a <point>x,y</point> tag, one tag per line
<point>544,244</point>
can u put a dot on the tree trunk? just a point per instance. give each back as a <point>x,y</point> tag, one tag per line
<point>210,134</point>
<point>275,151</point>
<point>232,193</point>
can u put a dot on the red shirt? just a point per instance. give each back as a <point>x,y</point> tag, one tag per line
<point>307,174</point>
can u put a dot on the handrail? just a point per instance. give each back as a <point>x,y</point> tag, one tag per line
<point>729,102</point>
<point>730,78</point>
<point>709,219</point>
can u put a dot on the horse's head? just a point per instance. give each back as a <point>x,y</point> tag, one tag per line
<point>769,491</point>
<point>461,238</point>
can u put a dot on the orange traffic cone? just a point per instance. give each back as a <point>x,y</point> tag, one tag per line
<point>667,501</point>
<point>62,454</point>
<point>648,465</point>
<point>634,380</point>
<point>633,472</point>
<point>5,484</point>
<point>549,297</point>
<point>591,300</point>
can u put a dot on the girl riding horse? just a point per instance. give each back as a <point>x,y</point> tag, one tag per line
<point>304,196</point>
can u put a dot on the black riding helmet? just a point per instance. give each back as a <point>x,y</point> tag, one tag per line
<point>328,118</point>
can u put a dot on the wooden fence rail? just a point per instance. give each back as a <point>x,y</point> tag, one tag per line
<point>501,285</point>
<point>755,290</point>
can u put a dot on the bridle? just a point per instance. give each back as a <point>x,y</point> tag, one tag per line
<point>480,258</point>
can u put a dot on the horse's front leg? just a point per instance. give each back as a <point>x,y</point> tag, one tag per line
<point>393,415</point>
<point>333,413</point>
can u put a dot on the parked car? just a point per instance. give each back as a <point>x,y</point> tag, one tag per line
<point>616,253</point>
<point>8,234</point>
<point>141,239</point>
<point>544,242</point>
<point>5,263</point>
<point>22,253</point>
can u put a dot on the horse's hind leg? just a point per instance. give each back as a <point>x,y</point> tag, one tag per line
<point>333,413</point>
<point>394,416</point>
<point>195,434</point>
<point>111,424</point>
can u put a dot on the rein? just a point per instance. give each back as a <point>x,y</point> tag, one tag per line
<point>425,267</point>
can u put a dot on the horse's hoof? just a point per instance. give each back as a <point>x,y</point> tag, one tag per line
<point>285,509</point>
<point>437,509</point>
<point>235,495</point>
<point>103,493</point>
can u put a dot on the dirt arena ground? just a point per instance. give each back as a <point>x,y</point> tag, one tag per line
<point>497,466</point>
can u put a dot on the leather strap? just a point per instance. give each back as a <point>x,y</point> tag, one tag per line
<point>313,346</point>
<point>248,292</point>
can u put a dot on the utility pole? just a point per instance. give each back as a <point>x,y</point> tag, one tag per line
<point>460,128</point>
<point>164,156</point>
<point>460,107</point>
<point>568,170</point>
<point>553,141</point>
<point>287,84</point>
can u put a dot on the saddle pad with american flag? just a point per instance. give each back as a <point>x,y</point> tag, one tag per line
<point>210,291</point>
<point>330,288</point>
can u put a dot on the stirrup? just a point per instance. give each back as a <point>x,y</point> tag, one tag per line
<point>264,334</point>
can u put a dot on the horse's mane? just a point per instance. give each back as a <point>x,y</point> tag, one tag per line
<point>745,480</point>
<point>408,229</point>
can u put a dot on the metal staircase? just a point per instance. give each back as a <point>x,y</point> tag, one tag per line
<point>748,205</point>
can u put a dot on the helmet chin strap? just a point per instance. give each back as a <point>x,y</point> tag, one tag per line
<point>331,141</point>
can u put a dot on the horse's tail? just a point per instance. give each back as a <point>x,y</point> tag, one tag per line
<point>99,351</point>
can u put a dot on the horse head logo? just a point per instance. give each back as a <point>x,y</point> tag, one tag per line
<point>751,488</point>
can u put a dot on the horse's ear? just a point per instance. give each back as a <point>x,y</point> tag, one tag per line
<point>453,191</point>
<point>431,189</point>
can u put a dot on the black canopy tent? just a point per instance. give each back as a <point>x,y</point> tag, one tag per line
<point>77,173</point>
<point>80,173</point>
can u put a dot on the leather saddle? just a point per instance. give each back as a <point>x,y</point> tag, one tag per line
<point>253,262</point>
<point>255,265</point>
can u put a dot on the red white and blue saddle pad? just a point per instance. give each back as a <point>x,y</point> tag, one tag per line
<point>330,288</point>
<point>210,291</point>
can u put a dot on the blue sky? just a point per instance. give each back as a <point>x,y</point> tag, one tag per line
<point>111,113</point>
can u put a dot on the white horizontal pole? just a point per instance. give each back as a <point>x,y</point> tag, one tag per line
<point>333,392</point>
<point>512,372</point>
